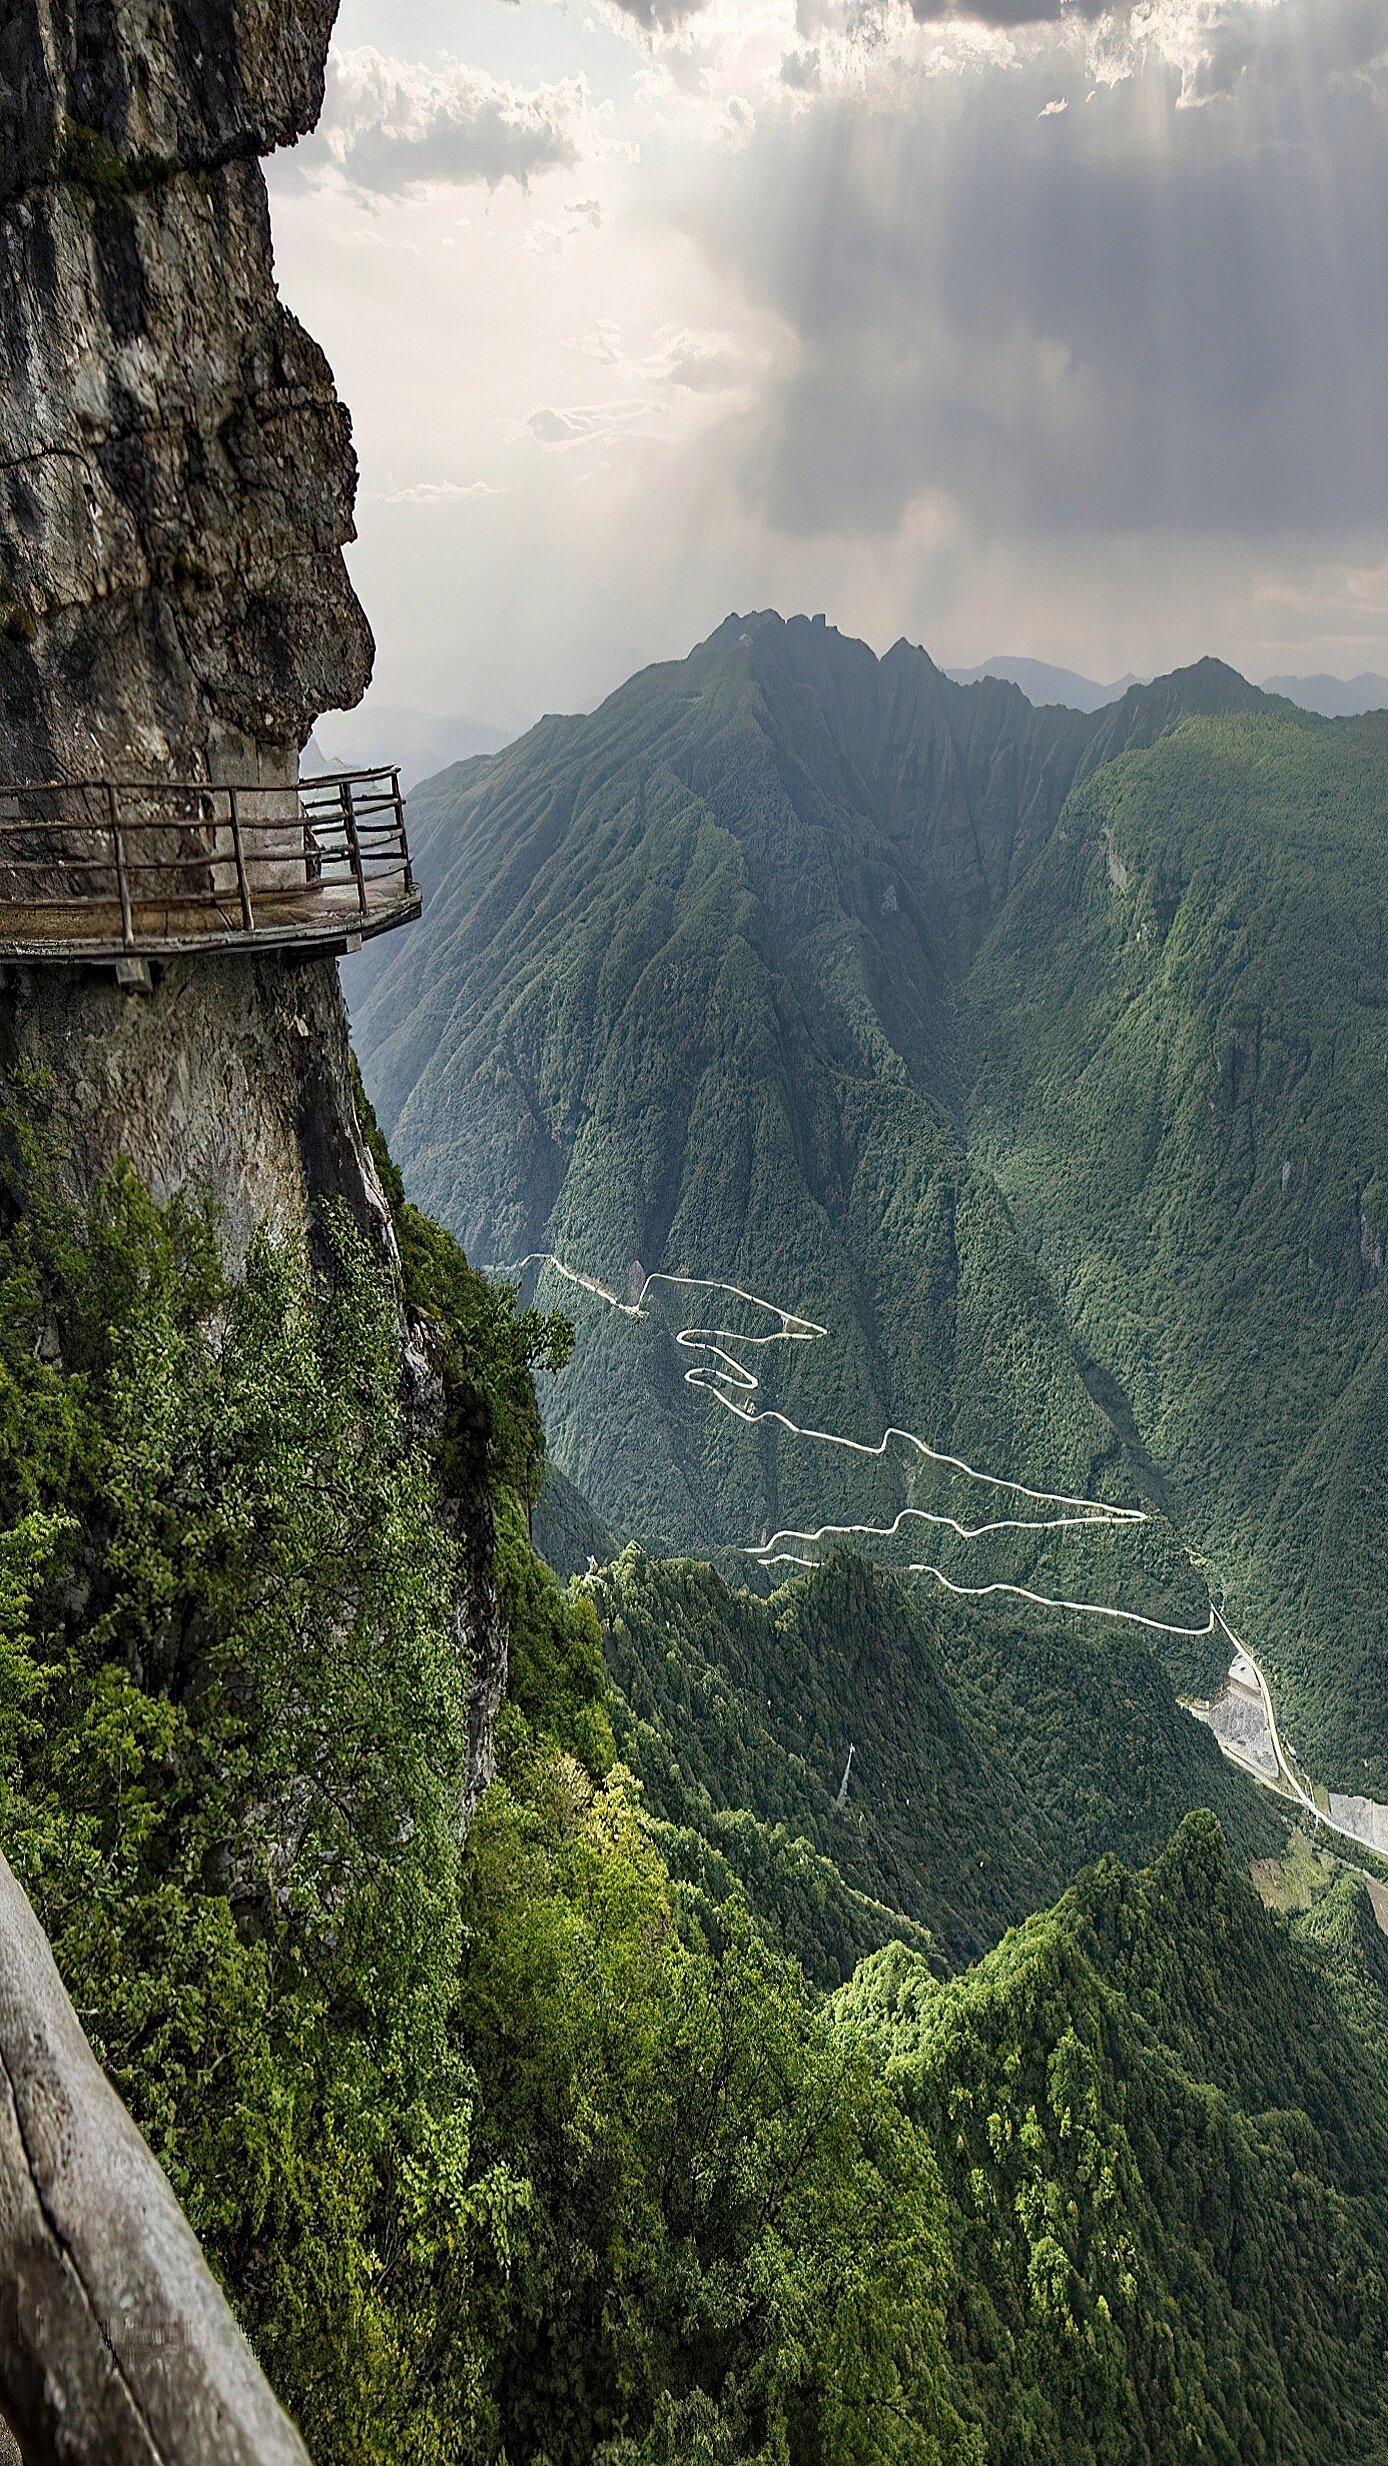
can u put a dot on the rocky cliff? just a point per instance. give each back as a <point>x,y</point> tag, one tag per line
<point>176,484</point>
<point>231,1075</point>
<point>176,471</point>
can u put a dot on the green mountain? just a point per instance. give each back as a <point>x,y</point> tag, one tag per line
<point>968,1801</point>
<point>1158,2115</point>
<point>1015,1048</point>
<point>1041,682</point>
<point>565,1529</point>
<point>1188,1118</point>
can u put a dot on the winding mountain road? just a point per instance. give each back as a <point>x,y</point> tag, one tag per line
<point>720,1373</point>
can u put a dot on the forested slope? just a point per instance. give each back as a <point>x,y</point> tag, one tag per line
<point>643,1027</point>
<point>687,996</point>
<point>1178,1082</point>
<point>994,1754</point>
<point>502,2150</point>
<point>1158,2117</point>
<point>516,2145</point>
<point>1029,1054</point>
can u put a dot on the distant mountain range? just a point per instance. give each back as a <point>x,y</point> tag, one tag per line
<point>424,743</point>
<point>1041,683</point>
<point>1333,697</point>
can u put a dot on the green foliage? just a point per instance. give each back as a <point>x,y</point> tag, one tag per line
<point>994,1752</point>
<point>498,2152</point>
<point>1178,1070</point>
<point>557,1688</point>
<point>491,1436</point>
<point>90,161</point>
<point>736,2237</point>
<point>1341,1929</point>
<point>568,1534</point>
<point>1165,2160</point>
<point>1296,1880</point>
<point>231,1739</point>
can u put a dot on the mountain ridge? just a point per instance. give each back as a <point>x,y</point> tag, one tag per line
<point>774,970</point>
<point>965,1806</point>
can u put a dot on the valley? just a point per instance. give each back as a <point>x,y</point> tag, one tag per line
<point>1242,1719</point>
<point>638,1822</point>
<point>991,1035</point>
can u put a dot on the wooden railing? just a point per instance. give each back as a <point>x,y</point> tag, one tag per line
<point>141,866</point>
<point>117,2346</point>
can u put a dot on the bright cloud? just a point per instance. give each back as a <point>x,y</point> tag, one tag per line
<point>1031,325</point>
<point>393,127</point>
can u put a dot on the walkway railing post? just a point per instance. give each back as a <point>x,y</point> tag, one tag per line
<point>127,921</point>
<point>243,886</point>
<point>349,824</point>
<point>400,826</point>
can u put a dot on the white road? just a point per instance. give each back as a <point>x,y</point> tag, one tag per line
<point>720,1373</point>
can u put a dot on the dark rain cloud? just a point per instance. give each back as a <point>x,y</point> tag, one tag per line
<point>658,15</point>
<point>1007,12</point>
<point>1145,311</point>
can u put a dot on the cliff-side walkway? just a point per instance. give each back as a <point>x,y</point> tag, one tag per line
<point>105,870</point>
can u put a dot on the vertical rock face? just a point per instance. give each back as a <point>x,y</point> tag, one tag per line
<point>231,1076</point>
<point>176,471</point>
<point>176,484</point>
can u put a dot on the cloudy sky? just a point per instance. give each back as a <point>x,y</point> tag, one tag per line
<point>1028,326</point>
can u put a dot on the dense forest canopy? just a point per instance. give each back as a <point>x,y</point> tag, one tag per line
<point>542,2144</point>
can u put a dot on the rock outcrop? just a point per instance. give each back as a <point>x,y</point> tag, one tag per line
<point>231,1076</point>
<point>176,471</point>
<point>176,484</point>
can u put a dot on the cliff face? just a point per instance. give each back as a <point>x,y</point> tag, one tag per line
<point>176,484</point>
<point>176,471</point>
<point>231,1076</point>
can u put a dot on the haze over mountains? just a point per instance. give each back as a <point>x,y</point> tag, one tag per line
<point>1334,697</point>
<point>421,742</point>
<point>1040,682</point>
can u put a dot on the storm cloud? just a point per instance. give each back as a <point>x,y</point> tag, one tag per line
<point>1127,315</point>
<point>1010,325</point>
<point>656,15</point>
<point>1008,12</point>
